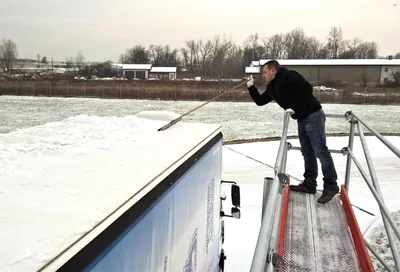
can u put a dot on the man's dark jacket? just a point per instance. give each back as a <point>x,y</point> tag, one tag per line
<point>290,90</point>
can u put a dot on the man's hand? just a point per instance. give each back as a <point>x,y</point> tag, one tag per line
<point>250,81</point>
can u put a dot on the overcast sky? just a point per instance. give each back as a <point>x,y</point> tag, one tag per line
<point>103,29</point>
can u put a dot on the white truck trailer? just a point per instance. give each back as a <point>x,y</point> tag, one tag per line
<point>139,200</point>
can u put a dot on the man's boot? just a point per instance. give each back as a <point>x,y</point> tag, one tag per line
<point>305,187</point>
<point>327,195</point>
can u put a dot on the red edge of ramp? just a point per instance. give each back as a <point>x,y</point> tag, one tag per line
<point>361,249</point>
<point>281,247</point>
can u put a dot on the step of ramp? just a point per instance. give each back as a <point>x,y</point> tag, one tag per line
<point>317,236</point>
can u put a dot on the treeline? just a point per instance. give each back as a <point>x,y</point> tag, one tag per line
<point>221,57</point>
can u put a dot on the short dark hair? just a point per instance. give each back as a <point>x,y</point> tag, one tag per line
<point>273,64</point>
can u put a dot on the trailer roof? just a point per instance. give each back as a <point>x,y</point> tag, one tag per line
<point>68,180</point>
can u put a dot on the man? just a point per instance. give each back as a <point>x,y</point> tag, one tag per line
<point>291,90</point>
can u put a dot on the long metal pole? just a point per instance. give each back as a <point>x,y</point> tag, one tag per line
<point>392,240</point>
<point>176,120</point>
<point>348,163</point>
<point>377,256</point>
<point>394,149</point>
<point>375,194</point>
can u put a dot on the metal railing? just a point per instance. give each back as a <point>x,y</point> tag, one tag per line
<point>374,186</point>
<point>267,243</point>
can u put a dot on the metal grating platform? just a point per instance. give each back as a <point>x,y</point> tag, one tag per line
<point>317,236</point>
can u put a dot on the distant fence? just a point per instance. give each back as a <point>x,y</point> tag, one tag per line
<point>182,90</point>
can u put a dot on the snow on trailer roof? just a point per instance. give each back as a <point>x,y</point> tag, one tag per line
<point>344,62</point>
<point>59,181</point>
<point>163,70</point>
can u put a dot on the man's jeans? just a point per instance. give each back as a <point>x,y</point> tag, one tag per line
<point>313,145</point>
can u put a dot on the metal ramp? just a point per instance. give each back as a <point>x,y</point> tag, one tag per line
<point>299,234</point>
<point>317,236</point>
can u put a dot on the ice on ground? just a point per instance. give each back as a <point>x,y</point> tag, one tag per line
<point>59,180</point>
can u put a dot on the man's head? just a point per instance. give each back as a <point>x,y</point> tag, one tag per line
<point>270,70</point>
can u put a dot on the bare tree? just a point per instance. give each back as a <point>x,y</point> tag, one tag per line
<point>137,54</point>
<point>274,46</point>
<point>194,55</point>
<point>221,50</point>
<point>79,60</point>
<point>8,53</point>
<point>397,56</point>
<point>296,44</point>
<point>351,49</point>
<point>368,50</point>
<point>164,56</point>
<point>205,51</point>
<point>335,42</point>
<point>38,60</point>
<point>70,64</point>
<point>254,43</point>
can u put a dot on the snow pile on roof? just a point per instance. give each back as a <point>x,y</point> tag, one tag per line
<point>379,242</point>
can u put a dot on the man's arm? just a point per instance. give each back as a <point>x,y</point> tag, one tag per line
<point>259,99</point>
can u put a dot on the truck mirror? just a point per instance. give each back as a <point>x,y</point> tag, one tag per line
<point>235,213</point>
<point>235,195</point>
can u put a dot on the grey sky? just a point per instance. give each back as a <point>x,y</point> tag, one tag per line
<point>103,29</point>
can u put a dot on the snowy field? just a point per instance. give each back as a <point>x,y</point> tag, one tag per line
<point>81,125</point>
<point>240,120</point>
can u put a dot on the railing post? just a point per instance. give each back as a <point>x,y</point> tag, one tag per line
<point>350,146</point>
<point>267,189</point>
<point>270,207</point>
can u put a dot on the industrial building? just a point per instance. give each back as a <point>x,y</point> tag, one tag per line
<point>146,71</point>
<point>349,71</point>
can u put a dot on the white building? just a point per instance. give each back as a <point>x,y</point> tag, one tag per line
<point>140,71</point>
<point>344,70</point>
<point>145,71</point>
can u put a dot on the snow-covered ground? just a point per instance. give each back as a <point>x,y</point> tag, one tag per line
<point>239,121</point>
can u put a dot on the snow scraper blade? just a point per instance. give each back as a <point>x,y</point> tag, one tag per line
<point>173,122</point>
